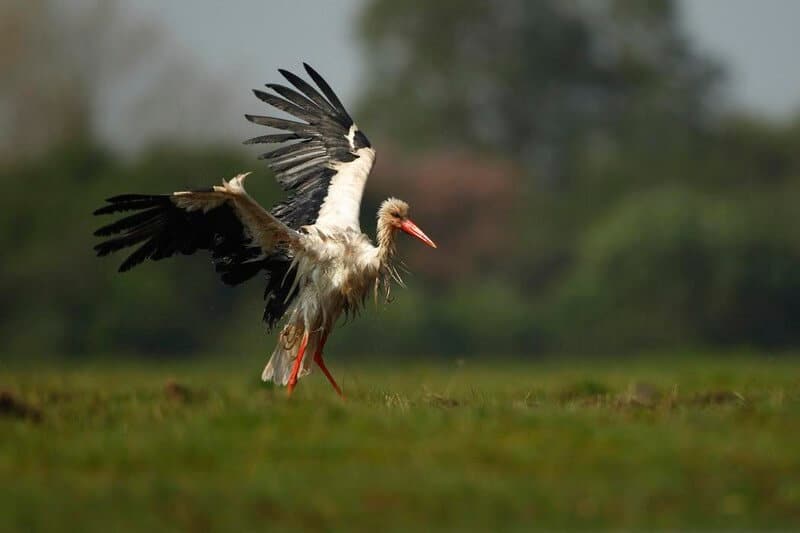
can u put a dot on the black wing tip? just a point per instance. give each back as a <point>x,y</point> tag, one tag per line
<point>295,80</point>
<point>263,95</point>
<point>254,140</point>
<point>272,138</point>
<point>127,197</point>
<point>261,120</point>
<point>110,207</point>
<point>314,73</point>
<point>330,94</point>
<point>288,74</point>
<point>104,248</point>
<point>267,98</point>
<point>127,202</point>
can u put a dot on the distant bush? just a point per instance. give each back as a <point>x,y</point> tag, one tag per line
<point>670,267</point>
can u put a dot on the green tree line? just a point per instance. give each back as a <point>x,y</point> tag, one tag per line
<point>638,213</point>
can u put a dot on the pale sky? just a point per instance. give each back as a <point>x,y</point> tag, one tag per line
<point>239,44</point>
<point>757,40</point>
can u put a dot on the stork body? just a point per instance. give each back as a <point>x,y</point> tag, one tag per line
<point>335,274</point>
<point>310,248</point>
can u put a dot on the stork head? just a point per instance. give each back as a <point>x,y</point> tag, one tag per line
<point>393,215</point>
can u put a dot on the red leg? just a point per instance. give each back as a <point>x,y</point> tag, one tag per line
<point>321,364</point>
<point>297,362</point>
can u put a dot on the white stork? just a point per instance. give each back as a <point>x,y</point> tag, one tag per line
<point>310,248</point>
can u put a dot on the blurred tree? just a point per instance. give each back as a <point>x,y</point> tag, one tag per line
<point>56,62</point>
<point>461,199</point>
<point>675,267</point>
<point>538,81</point>
<point>660,224</point>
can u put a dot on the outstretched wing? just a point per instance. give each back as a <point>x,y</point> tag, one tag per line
<point>239,233</point>
<point>323,162</point>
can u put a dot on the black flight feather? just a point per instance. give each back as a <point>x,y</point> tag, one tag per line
<point>286,106</point>
<point>160,229</point>
<point>305,130</point>
<point>310,92</point>
<point>294,97</point>
<point>328,92</point>
<point>274,138</point>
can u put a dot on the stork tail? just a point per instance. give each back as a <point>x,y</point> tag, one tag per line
<point>279,367</point>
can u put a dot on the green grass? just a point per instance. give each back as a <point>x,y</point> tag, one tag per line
<point>477,446</point>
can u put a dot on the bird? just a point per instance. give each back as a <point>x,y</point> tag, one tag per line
<point>309,248</point>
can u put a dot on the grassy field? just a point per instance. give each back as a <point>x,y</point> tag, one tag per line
<point>463,446</point>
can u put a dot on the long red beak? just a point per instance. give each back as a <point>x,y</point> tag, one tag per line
<point>412,229</point>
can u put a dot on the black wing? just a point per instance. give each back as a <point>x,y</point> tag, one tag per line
<point>312,151</point>
<point>223,219</point>
<point>161,229</point>
<point>161,226</point>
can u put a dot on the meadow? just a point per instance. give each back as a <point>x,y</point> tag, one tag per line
<point>665,442</point>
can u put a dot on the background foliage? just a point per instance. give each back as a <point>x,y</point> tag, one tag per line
<point>587,192</point>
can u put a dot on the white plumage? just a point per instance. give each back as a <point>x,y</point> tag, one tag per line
<point>342,206</point>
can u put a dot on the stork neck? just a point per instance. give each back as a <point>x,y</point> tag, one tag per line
<point>386,242</point>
